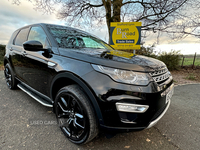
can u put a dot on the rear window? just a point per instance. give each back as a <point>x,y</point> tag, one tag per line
<point>11,41</point>
<point>21,37</point>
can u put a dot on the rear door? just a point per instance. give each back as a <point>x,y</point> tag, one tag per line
<point>17,52</point>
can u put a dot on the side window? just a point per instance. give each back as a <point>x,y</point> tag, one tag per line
<point>12,39</point>
<point>38,34</point>
<point>21,37</point>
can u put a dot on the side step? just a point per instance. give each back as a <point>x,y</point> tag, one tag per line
<point>35,96</point>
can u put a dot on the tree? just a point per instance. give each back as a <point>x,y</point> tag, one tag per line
<point>177,18</point>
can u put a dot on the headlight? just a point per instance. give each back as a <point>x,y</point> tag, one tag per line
<point>124,76</point>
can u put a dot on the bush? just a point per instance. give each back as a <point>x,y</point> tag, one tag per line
<point>171,59</point>
<point>2,53</point>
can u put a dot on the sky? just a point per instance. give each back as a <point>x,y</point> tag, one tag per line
<point>13,17</point>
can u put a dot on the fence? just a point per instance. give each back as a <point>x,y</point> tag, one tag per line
<point>190,60</point>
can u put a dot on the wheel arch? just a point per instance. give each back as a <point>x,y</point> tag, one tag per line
<point>8,60</point>
<point>5,61</point>
<point>66,78</point>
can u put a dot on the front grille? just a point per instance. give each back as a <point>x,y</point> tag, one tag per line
<point>158,72</point>
<point>160,75</point>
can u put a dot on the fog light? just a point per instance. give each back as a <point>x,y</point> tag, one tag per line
<point>126,107</point>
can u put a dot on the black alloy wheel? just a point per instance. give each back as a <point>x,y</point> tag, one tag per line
<point>10,80</point>
<point>71,117</point>
<point>75,115</point>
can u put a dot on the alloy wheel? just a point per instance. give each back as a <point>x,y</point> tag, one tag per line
<point>71,117</point>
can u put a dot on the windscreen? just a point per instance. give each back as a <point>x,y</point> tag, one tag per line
<point>67,37</point>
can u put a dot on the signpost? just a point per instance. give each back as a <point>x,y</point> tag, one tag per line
<point>125,35</point>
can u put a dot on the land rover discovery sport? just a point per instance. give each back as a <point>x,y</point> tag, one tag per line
<point>89,85</point>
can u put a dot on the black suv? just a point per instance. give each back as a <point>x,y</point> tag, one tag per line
<point>90,85</point>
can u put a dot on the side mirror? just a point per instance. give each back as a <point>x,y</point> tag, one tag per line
<point>33,46</point>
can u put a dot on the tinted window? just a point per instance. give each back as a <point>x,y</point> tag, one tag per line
<point>21,37</point>
<point>38,34</point>
<point>90,43</point>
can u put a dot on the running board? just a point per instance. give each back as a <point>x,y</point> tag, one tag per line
<point>34,96</point>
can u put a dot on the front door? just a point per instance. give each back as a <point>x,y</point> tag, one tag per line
<point>37,73</point>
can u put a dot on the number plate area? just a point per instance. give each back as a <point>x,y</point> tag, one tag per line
<point>168,92</point>
<point>169,95</point>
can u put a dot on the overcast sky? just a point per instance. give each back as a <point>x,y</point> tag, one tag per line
<point>13,17</point>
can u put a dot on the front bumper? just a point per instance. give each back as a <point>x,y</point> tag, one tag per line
<point>110,93</point>
<point>154,122</point>
<point>137,117</point>
<point>137,128</point>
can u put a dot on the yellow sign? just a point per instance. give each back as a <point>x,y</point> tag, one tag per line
<point>125,35</point>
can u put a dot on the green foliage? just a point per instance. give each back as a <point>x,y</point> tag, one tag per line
<point>2,47</point>
<point>171,59</point>
<point>2,53</point>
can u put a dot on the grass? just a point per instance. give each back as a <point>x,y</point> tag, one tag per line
<point>189,61</point>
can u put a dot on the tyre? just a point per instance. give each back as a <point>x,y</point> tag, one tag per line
<point>10,78</point>
<point>75,115</point>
